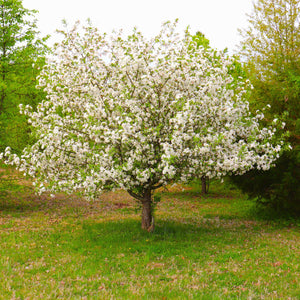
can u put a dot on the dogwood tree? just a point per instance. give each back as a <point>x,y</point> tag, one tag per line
<point>137,114</point>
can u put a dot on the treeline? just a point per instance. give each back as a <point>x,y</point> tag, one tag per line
<point>268,56</point>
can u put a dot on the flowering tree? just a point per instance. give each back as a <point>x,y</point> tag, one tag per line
<point>138,114</point>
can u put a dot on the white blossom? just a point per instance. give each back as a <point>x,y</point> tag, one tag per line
<point>138,113</point>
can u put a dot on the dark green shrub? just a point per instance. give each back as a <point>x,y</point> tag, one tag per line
<point>279,187</point>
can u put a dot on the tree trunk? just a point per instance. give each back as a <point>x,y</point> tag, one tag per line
<point>204,185</point>
<point>147,217</point>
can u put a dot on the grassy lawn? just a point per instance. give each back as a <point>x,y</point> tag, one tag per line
<point>212,247</point>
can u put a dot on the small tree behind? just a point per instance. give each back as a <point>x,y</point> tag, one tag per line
<point>138,114</point>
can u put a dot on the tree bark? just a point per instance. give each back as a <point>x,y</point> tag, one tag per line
<point>204,185</point>
<point>147,217</point>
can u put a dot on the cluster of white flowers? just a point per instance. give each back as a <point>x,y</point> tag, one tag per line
<point>139,113</point>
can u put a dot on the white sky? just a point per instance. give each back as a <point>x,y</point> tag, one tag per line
<point>217,19</point>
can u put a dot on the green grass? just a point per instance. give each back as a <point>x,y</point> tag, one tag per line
<point>212,247</point>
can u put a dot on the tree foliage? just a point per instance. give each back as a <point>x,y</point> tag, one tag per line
<point>270,50</point>
<point>137,114</point>
<point>21,57</point>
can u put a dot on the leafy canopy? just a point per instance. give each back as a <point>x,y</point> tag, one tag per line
<point>21,57</point>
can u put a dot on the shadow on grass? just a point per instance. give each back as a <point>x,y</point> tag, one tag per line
<point>17,198</point>
<point>98,241</point>
<point>170,237</point>
<point>269,214</point>
<point>196,195</point>
<point>26,201</point>
<point>130,232</point>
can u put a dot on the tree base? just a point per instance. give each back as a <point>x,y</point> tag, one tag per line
<point>147,218</point>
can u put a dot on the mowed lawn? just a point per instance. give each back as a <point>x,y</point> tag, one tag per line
<point>212,247</point>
